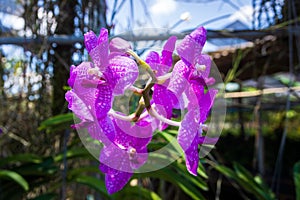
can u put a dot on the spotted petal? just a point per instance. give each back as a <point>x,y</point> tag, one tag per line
<point>200,100</point>
<point>124,71</point>
<point>103,130</point>
<point>164,101</point>
<point>153,60</point>
<point>179,78</point>
<point>90,40</point>
<point>115,157</point>
<point>137,136</point>
<point>191,46</point>
<point>103,100</point>
<point>99,53</point>
<point>72,78</point>
<point>188,140</point>
<point>79,108</point>
<point>166,57</point>
<point>116,180</point>
<point>204,60</point>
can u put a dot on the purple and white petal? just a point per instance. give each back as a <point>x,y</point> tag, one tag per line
<point>191,46</point>
<point>103,100</point>
<point>153,60</point>
<point>79,108</point>
<point>206,103</point>
<point>90,40</point>
<point>164,101</point>
<point>116,180</point>
<point>179,78</point>
<point>119,45</point>
<point>99,54</point>
<point>134,136</point>
<point>104,130</point>
<point>188,140</point>
<point>192,157</point>
<point>166,55</point>
<point>125,72</point>
<point>115,157</point>
<point>203,65</point>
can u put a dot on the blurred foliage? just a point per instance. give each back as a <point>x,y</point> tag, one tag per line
<point>297,179</point>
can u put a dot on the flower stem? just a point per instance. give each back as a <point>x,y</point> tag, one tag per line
<point>121,117</point>
<point>153,113</point>
<point>143,64</point>
<point>162,79</point>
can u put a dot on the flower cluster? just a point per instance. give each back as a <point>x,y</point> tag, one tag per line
<point>125,138</point>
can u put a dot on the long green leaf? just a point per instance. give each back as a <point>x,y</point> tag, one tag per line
<point>246,179</point>
<point>21,158</point>
<point>182,182</point>
<point>57,122</point>
<point>11,175</point>
<point>297,179</point>
<point>92,182</point>
<point>73,153</point>
<point>136,193</point>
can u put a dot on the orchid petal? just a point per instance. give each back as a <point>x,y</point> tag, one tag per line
<point>191,46</point>
<point>119,45</point>
<point>188,140</point>
<point>166,57</point>
<point>125,72</point>
<point>73,75</point>
<point>204,60</point>
<point>104,130</point>
<point>103,100</point>
<point>115,157</point>
<point>164,101</point>
<point>179,78</point>
<point>135,136</point>
<point>99,54</point>
<point>116,180</point>
<point>90,40</point>
<point>200,100</point>
<point>154,61</point>
<point>79,108</point>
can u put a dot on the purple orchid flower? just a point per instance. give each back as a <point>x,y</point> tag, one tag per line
<point>191,61</point>
<point>112,71</point>
<point>164,99</point>
<point>127,153</point>
<point>190,76</point>
<point>94,84</point>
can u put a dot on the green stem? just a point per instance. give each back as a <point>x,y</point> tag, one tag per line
<point>143,64</point>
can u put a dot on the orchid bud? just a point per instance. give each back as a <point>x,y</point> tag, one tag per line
<point>119,45</point>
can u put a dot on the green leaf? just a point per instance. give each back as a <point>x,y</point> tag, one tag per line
<point>136,193</point>
<point>21,158</point>
<point>92,182</point>
<point>45,168</point>
<point>82,170</point>
<point>57,122</point>
<point>248,182</point>
<point>245,180</point>
<point>297,179</point>
<point>226,171</point>
<point>196,180</point>
<point>74,153</point>
<point>11,175</point>
<point>183,182</point>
